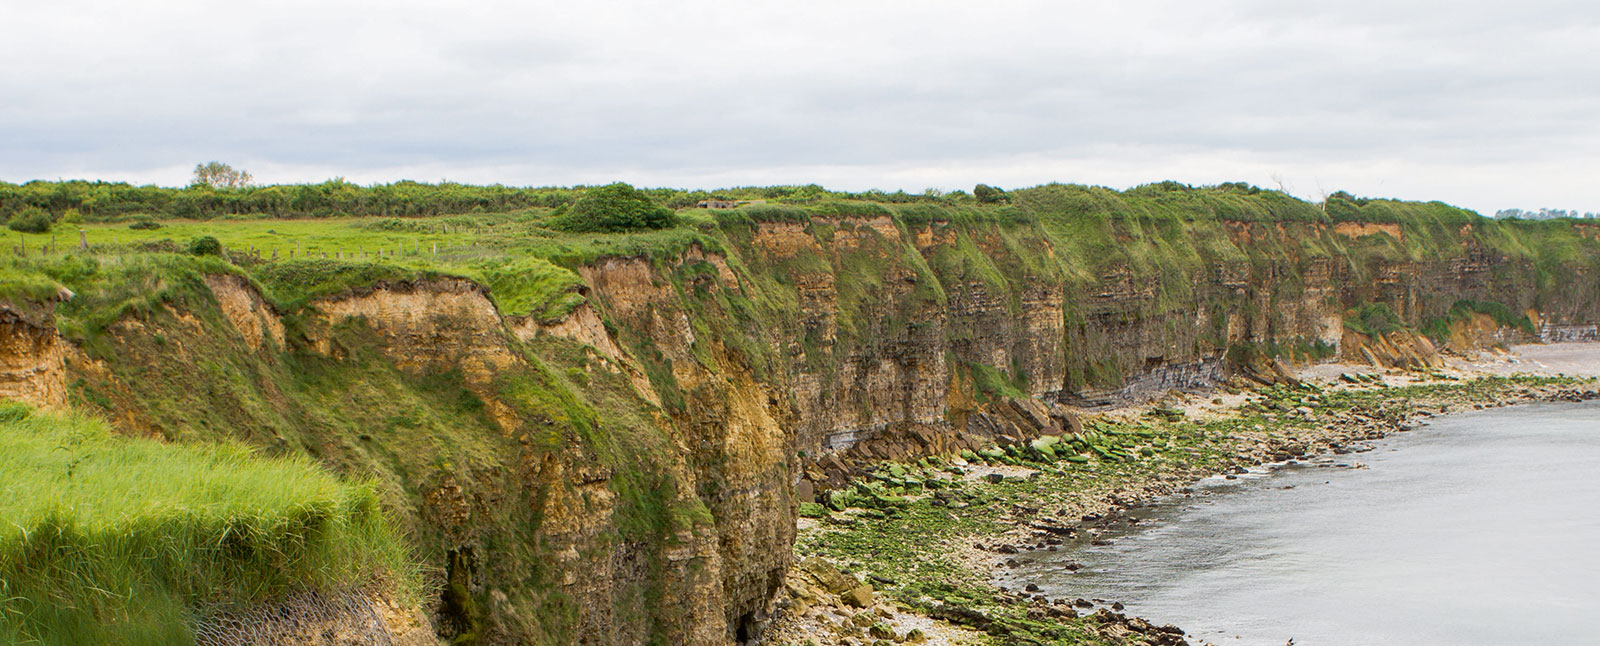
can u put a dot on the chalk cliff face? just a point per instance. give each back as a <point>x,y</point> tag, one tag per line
<point>32,361</point>
<point>629,472</point>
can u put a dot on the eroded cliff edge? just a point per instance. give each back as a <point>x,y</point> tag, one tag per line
<point>627,471</point>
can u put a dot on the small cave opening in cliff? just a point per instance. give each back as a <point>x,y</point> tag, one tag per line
<point>747,629</point>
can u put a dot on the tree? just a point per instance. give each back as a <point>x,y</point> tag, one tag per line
<point>219,175</point>
<point>615,207</point>
<point>987,194</point>
<point>30,220</point>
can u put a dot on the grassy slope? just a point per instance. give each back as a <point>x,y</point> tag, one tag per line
<point>116,540</point>
<point>182,372</point>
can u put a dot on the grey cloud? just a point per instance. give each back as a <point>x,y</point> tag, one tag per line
<point>866,94</point>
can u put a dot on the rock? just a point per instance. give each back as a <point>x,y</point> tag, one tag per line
<point>828,577</point>
<point>812,510</point>
<point>1104,616</point>
<point>916,636</point>
<point>881,630</point>
<point>961,615</point>
<point>1032,412</point>
<point>859,597</point>
<point>805,491</point>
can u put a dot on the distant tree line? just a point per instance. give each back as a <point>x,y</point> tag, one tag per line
<point>219,190</point>
<point>1544,214</point>
<point>101,201</point>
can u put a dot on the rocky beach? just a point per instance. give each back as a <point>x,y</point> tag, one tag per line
<point>924,551</point>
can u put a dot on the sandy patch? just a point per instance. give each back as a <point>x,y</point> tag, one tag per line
<point>1571,359</point>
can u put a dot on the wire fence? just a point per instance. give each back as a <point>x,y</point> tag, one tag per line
<point>316,619</point>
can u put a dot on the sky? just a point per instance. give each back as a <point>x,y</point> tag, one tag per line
<point>1482,104</point>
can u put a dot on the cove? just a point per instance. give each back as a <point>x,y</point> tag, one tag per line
<point>1478,528</point>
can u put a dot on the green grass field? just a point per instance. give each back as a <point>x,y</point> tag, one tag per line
<point>114,540</point>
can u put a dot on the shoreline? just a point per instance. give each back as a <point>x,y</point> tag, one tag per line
<point>939,577</point>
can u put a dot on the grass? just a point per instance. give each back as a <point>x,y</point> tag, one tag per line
<point>109,539</point>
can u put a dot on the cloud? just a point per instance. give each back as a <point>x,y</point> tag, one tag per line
<point>1481,103</point>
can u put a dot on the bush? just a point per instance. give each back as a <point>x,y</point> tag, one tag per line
<point>30,220</point>
<point>145,224</point>
<point>987,194</point>
<point>1373,319</point>
<point>205,246</point>
<point>614,208</point>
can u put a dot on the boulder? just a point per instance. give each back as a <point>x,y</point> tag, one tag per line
<point>828,577</point>
<point>805,491</point>
<point>1032,412</point>
<point>859,596</point>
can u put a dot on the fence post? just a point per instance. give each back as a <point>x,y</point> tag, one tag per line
<point>83,240</point>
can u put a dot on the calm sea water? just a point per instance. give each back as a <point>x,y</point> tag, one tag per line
<point>1480,528</point>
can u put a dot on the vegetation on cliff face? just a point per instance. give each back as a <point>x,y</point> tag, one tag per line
<point>497,375</point>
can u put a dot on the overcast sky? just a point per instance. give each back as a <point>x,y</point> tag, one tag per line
<point>1483,104</point>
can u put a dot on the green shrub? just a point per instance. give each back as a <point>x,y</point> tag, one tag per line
<point>1373,319</point>
<point>615,208</point>
<point>987,194</point>
<point>205,246</point>
<point>145,224</point>
<point>30,220</point>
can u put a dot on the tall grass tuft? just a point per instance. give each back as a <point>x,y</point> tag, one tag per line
<point>106,539</point>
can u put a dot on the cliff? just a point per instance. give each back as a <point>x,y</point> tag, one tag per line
<point>625,468</point>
